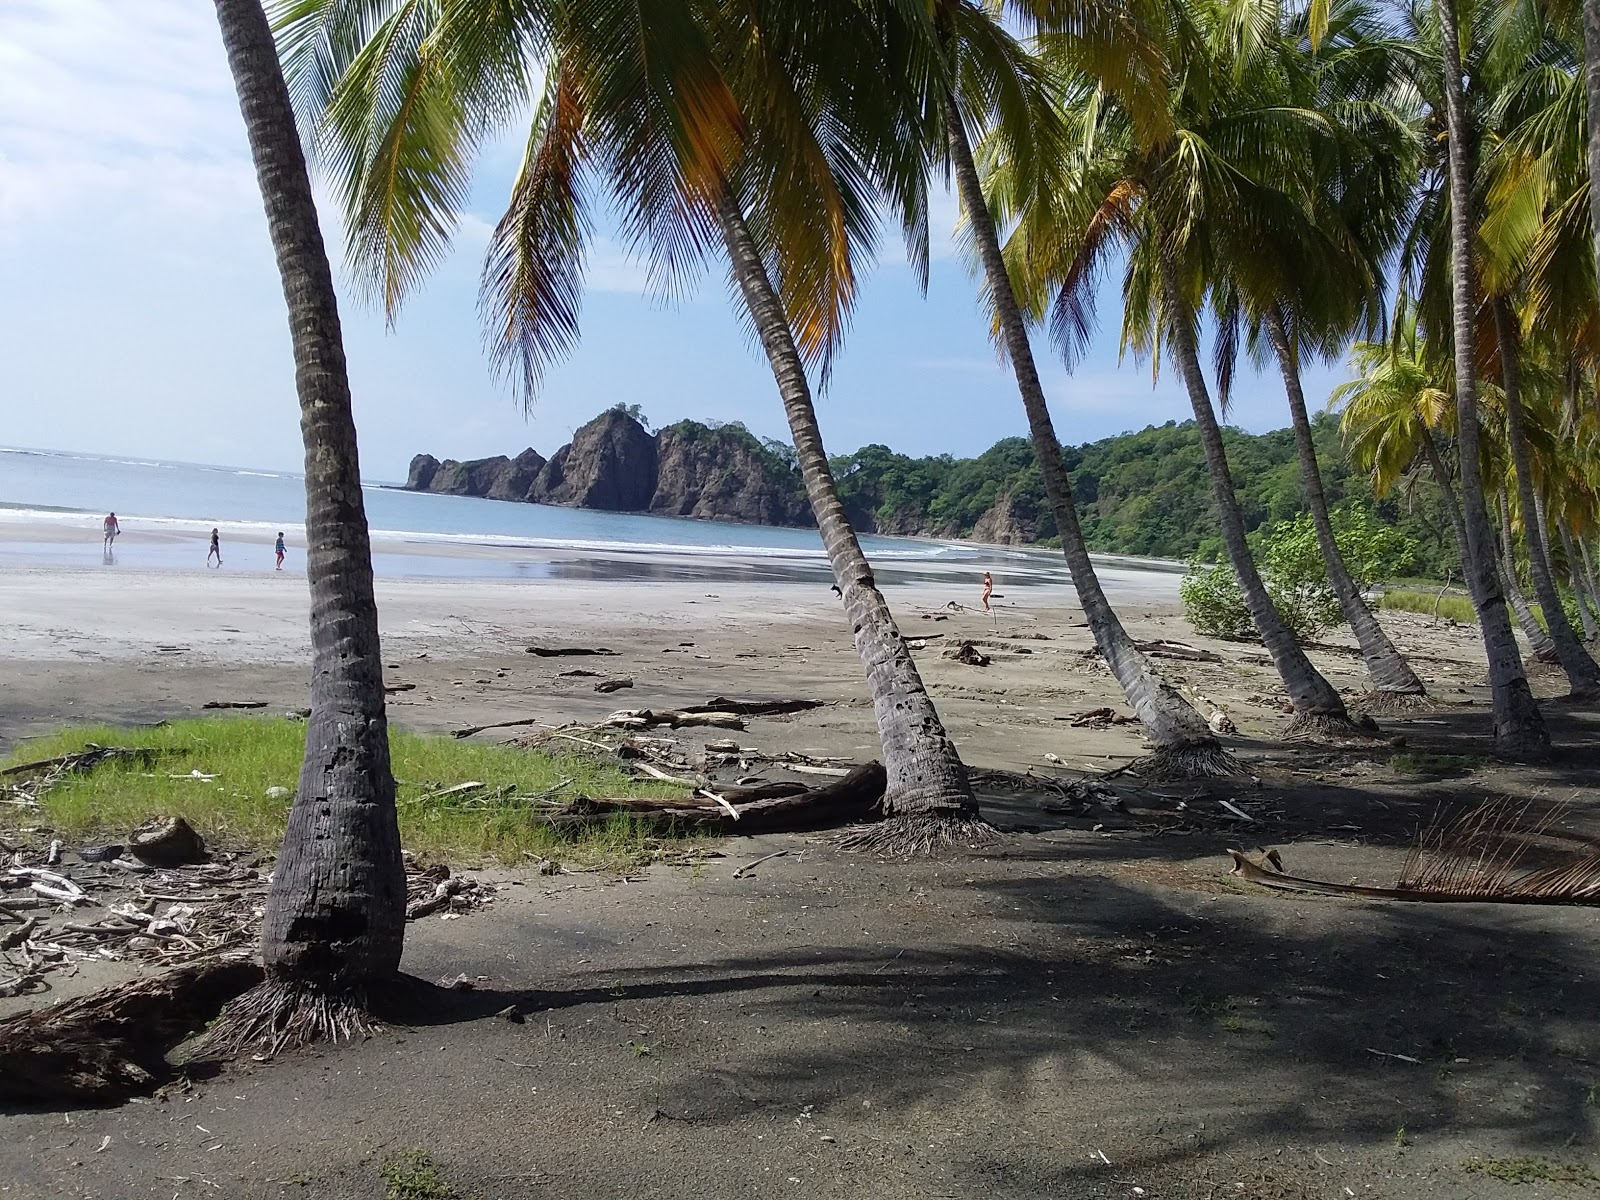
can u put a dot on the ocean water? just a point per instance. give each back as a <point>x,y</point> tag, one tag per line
<point>52,503</point>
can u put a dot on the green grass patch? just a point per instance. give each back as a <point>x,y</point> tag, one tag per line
<point>411,1175</point>
<point>1452,607</point>
<point>1452,766</point>
<point>1530,1168</point>
<point>249,755</point>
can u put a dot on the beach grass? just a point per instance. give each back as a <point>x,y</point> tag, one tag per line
<point>216,771</point>
<point>1451,607</point>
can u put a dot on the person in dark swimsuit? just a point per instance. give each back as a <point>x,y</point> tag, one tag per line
<point>216,548</point>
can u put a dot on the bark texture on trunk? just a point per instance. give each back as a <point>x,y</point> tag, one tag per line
<point>1519,729</point>
<point>1387,668</point>
<point>1173,726</point>
<point>1583,676</point>
<point>1544,649</point>
<point>1316,703</point>
<point>926,777</point>
<point>335,911</point>
<point>1591,58</point>
<point>1575,579</point>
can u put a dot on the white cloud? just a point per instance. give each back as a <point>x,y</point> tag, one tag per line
<point>611,268</point>
<point>121,113</point>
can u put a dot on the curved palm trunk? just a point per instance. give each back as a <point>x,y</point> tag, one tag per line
<point>1183,741</point>
<point>335,911</point>
<point>1575,580</point>
<point>1519,728</point>
<point>1544,649</point>
<point>1317,707</point>
<point>1447,492</point>
<point>1583,676</point>
<point>1392,677</point>
<point>926,778</point>
<point>1591,58</point>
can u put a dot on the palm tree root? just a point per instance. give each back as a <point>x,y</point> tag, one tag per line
<point>1382,701</point>
<point>278,1016</point>
<point>919,834</point>
<point>1331,727</point>
<point>1202,760</point>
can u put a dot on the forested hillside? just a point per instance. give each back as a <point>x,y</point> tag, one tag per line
<point>1138,493</point>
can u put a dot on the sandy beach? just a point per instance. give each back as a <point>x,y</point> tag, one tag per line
<point>1087,1006</point>
<point>124,645</point>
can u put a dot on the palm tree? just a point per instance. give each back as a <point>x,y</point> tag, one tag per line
<point>770,135</point>
<point>1351,73</point>
<point>335,910</point>
<point>1208,191</point>
<point>988,64</point>
<point>1519,729</point>
<point>1395,412</point>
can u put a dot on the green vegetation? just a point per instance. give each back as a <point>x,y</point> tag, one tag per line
<point>1530,1168</point>
<point>1444,765</point>
<point>1451,606</point>
<point>1296,575</point>
<point>411,1175</point>
<point>216,771</point>
<point>1144,493</point>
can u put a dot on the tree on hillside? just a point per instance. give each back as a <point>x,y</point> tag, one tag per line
<point>335,909</point>
<point>766,131</point>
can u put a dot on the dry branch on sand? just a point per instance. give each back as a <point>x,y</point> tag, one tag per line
<point>1491,854</point>
<point>769,808</point>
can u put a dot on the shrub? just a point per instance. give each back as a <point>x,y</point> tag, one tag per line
<point>1290,560</point>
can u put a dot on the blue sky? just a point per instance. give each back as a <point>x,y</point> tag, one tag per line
<point>141,312</point>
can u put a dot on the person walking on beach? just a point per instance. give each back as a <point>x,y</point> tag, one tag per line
<point>988,589</point>
<point>280,551</point>
<point>110,528</point>
<point>216,548</point>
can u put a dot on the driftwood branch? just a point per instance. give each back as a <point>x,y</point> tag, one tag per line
<point>770,808</point>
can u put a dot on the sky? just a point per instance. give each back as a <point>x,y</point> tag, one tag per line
<point>141,312</point>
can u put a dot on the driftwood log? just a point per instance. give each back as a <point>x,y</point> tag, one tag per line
<point>112,1044</point>
<point>753,708</point>
<point>771,808</point>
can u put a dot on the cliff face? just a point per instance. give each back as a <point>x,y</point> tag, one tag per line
<point>614,464</point>
<point>611,465</point>
<point>724,475</point>
<point>1005,524</point>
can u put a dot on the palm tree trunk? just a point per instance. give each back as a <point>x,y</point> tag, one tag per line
<point>1317,707</point>
<point>335,910</point>
<point>1583,676</point>
<point>1544,649</point>
<point>1519,729</point>
<point>928,794</point>
<point>1575,578</point>
<point>1183,742</point>
<point>1392,677</point>
<point>1588,575</point>
<point>1447,492</point>
<point>1591,58</point>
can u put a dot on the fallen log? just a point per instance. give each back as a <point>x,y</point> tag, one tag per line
<point>614,685</point>
<point>1162,648</point>
<point>772,808</point>
<point>753,708</point>
<point>646,718</point>
<point>113,1044</point>
<point>469,730</point>
<point>237,703</point>
<point>570,651</point>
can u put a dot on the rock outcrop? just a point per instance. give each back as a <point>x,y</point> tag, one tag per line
<point>420,477</point>
<point>613,463</point>
<point>724,475</point>
<point>1004,524</point>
